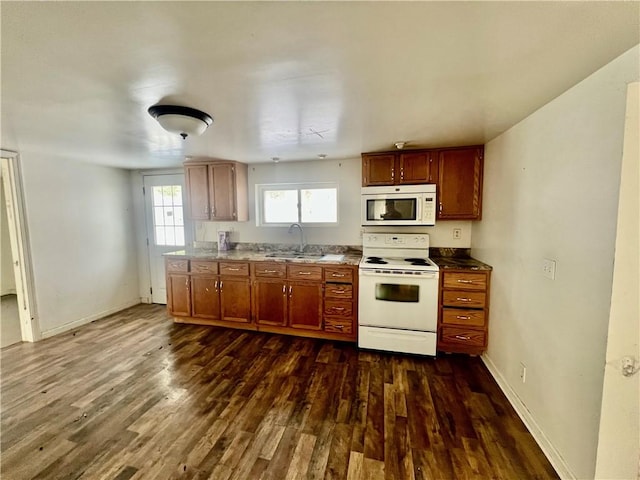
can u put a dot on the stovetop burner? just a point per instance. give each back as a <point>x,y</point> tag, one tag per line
<point>376,261</point>
<point>417,261</point>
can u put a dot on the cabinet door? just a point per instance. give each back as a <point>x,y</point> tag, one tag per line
<point>196,182</point>
<point>222,182</point>
<point>270,302</point>
<point>460,184</point>
<point>235,299</point>
<point>416,168</point>
<point>305,305</point>
<point>205,301</point>
<point>378,169</point>
<point>178,297</point>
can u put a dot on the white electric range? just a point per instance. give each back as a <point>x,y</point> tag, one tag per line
<point>398,294</point>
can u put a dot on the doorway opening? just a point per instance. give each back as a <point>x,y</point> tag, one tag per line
<point>18,310</point>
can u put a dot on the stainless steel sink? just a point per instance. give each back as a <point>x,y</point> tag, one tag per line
<point>293,255</point>
<point>302,256</point>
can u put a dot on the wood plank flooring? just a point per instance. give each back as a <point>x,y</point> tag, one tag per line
<point>136,396</point>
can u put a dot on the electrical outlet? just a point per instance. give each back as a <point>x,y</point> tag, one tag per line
<point>549,268</point>
<point>523,372</point>
<point>457,233</point>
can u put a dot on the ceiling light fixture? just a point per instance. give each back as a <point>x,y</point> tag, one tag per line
<point>275,159</point>
<point>181,120</point>
<point>400,145</point>
<point>322,156</point>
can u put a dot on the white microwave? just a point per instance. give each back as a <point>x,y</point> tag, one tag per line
<point>399,205</point>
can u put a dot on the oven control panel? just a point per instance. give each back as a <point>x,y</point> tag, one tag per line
<point>390,240</point>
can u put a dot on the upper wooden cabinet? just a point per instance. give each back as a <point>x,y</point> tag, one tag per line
<point>398,168</point>
<point>216,190</point>
<point>459,191</point>
<point>457,173</point>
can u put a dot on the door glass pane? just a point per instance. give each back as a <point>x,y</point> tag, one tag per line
<point>390,292</point>
<point>168,216</point>
<point>385,209</point>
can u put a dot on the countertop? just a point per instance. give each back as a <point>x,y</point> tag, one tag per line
<point>460,263</point>
<point>444,262</point>
<point>258,256</point>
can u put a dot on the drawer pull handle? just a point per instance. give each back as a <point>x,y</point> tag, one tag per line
<point>465,281</point>
<point>338,309</point>
<point>304,273</point>
<point>339,275</point>
<point>284,289</point>
<point>463,317</point>
<point>463,299</point>
<point>232,269</point>
<point>338,291</point>
<point>269,271</point>
<point>463,337</point>
<point>339,326</point>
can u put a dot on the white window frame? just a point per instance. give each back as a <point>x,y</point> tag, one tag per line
<point>259,200</point>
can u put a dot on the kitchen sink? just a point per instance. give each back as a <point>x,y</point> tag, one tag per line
<point>311,256</point>
<point>293,255</point>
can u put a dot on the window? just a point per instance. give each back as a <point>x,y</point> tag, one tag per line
<point>168,220</point>
<point>284,204</point>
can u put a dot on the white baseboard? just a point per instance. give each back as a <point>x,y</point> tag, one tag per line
<point>83,321</point>
<point>538,435</point>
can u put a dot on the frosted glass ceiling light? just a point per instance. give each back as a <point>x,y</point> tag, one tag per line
<point>181,120</point>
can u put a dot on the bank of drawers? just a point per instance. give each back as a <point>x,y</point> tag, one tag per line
<point>464,311</point>
<point>339,300</point>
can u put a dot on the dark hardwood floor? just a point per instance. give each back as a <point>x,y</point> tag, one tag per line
<point>136,396</point>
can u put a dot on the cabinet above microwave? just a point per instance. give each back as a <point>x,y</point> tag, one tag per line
<point>456,171</point>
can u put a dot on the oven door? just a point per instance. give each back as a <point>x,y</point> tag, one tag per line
<point>398,301</point>
<point>392,209</point>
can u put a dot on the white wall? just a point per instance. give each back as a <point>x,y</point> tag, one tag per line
<point>82,239</point>
<point>7,280</point>
<point>551,191</point>
<point>349,175</point>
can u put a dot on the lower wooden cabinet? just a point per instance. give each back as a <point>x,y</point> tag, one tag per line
<point>464,311</point>
<point>305,305</point>
<point>178,294</point>
<point>292,298</point>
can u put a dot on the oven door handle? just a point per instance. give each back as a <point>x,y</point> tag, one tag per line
<point>422,276</point>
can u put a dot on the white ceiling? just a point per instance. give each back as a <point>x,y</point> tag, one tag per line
<point>290,79</point>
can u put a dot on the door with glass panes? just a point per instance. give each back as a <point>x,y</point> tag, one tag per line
<point>164,201</point>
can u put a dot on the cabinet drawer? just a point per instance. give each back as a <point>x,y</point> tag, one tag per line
<point>456,316</point>
<point>338,325</point>
<point>234,268</point>
<point>453,298</point>
<point>339,309</point>
<point>271,270</point>
<point>304,272</point>
<point>200,266</point>
<point>462,336</point>
<point>337,290</point>
<point>338,274</point>
<point>465,280</point>
<point>177,265</point>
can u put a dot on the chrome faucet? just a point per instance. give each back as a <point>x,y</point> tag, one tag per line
<point>293,225</point>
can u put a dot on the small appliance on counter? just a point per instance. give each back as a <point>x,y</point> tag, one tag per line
<point>224,241</point>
